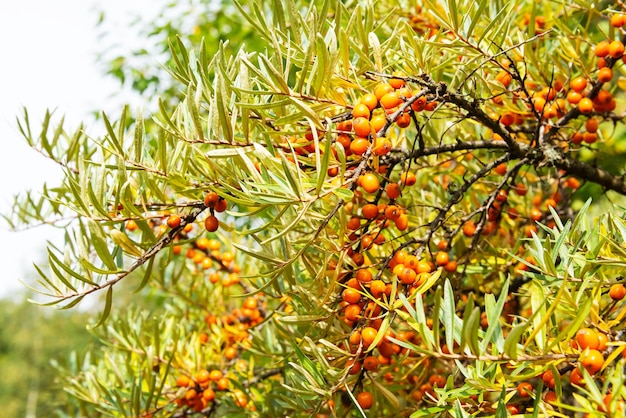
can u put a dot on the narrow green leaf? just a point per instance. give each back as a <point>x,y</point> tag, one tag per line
<point>107,307</point>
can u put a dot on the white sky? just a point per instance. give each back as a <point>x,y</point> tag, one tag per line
<point>48,61</point>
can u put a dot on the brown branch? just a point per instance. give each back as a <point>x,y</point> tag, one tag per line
<point>151,252</point>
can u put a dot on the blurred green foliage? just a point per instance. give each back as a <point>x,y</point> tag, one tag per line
<point>31,339</point>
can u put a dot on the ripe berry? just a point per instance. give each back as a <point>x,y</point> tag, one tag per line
<point>408,178</point>
<point>382,89</point>
<point>442,258</point>
<point>361,127</point>
<point>369,211</point>
<point>211,223</point>
<point>370,183</point>
<point>617,291</point>
<point>390,100</point>
<point>202,376</point>
<point>393,190</point>
<point>369,100</point>
<point>370,363</point>
<point>361,110</point>
<point>585,105</point>
<point>591,125</point>
<point>397,83</point>
<point>365,400</point>
<point>524,389</point>
<point>368,334</point>
<point>221,205</point>
<point>351,295</point>
<point>173,221</point>
<point>182,381</point>
<point>210,199</point>
<point>578,84</point>
<point>605,75</point>
<point>359,146</point>
<point>602,49</point>
<point>617,20</point>
<point>592,360</point>
<point>587,338</point>
<point>616,49</point>
<point>469,229</point>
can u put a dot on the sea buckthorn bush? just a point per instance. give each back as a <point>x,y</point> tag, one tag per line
<point>391,208</point>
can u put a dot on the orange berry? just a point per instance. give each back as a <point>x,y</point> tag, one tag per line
<point>183,381</point>
<point>351,295</point>
<point>392,212</point>
<point>354,366</point>
<point>617,291</point>
<point>370,183</point>
<point>585,105</point>
<point>451,266</point>
<point>382,89</point>
<point>578,84</point>
<point>370,363</point>
<point>202,376</point>
<point>573,183</point>
<point>364,275</point>
<point>576,377</point>
<point>230,353</point>
<point>131,225</point>
<point>378,122</point>
<point>361,127</point>
<point>397,83</point>
<point>211,223</point>
<point>616,49</point>
<point>390,100</point>
<point>592,360</point>
<point>602,49</point>
<point>404,120</point>
<point>369,100</point>
<point>574,97</point>
<point>352,312</point>
<point>382,146</point>
<point>469,228</point>
<point>359,146</point>
<point>354,223</point>
<point>407,275</point>
<point>587,338</point>
<point>550,397</point>
<point>222,384</point>
<point>442,258</point>
<point>501,169</point>
<point>504,78</point>
<point>605,75</point>
<point>365,400</point>
<point>369,211</point>
<point>368,334</point>
<point>408,178</point>
<point>591,125</point>
<point>344,140</point>
<point>190,394</point>
<point>210,199</point>
<point>524,389</point>
<point>377,288</point>
<point>173,221</point>
<point>216,375</point>
<point>602,341</point>
<point>577,138</point>
<point>221,205</point>
<point>393,190</point>
<point>617,20</point>
<point>208,394</point>
<point>361,110</point>
<point>402,223</point>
